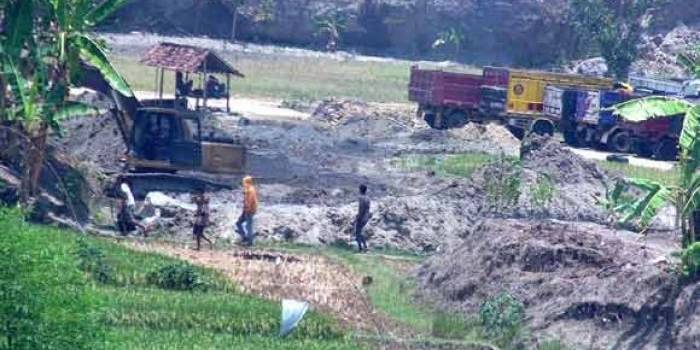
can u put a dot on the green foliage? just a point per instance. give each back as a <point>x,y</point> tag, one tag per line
<point>614,28</point>
<point>690,261</point>
<point>43,296</point>
<point>552,345</point>
<point>543,193</point>
<point>502,185</point>
<point>502,317</point>
<point>647,207</point>
<point>92,261</point>
<point>462,165</point>
<point>46,302</point>
<point>451,326</point>
<point>180,276</point>
<point>691,62</point>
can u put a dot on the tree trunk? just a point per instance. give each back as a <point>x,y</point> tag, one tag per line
<point>34,162</point>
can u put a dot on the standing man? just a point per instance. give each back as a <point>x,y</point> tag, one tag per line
<point>201,217</point>
<point>250,207</point>
<point>362,219</point>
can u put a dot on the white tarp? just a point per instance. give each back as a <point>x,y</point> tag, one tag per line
<point>292,313</point>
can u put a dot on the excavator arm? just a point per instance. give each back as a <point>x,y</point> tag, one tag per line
<point>125,108</point>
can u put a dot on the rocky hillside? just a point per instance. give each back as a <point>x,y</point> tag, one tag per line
<point>524,32</point>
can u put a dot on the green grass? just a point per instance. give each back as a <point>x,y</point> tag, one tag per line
<point>462,165</point>
<point>667,177</point>
<point>50,302</point>
<point>295,78</point>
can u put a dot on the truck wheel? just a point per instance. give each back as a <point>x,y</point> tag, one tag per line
<point>642,148</point>
<point>543,128</point>
<point>666,150</point>
<point>570,138</point>
<point>430,119</point>
<point>621,142</point>
<point>457,119</point>
<point>582,137</point>
<point>519,133</point>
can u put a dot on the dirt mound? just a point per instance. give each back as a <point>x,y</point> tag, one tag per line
<point>334,111</point>
<point>490,139</point>
<point>329,287</point>
<point>547,155</point>
<point>575,185</point>
<point>594,287</point>
<point>659,52</point>
<point>96,140</point>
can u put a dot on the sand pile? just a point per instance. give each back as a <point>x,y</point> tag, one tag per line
<point>591,286</point>
<point>490,139</point>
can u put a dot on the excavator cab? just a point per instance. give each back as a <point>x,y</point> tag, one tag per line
<point>171,140</point>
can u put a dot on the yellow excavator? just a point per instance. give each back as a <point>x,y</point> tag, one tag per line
<point>163,139</point>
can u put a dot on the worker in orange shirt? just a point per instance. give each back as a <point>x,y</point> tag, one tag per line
<point>250,207</point>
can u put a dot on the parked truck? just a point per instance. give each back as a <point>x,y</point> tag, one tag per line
<point>667,87</point>
<point>526,98</point>
<point>450,99</point>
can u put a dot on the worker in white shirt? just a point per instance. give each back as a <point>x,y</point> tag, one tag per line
<point>127,221</point>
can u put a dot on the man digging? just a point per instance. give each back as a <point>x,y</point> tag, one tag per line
<point>362,219</point>
<point>244,225</point>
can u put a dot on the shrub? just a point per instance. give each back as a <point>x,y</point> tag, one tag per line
<point>92,261</point>
<point>178,276</point>
<point>450,326</point>
<point>543,193</point>
<point>552,345</point>
<point>690,261</point>
<point>503,184</point>
<point>502,318</point>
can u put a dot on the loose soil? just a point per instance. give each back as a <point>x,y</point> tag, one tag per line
<point>591,286</point>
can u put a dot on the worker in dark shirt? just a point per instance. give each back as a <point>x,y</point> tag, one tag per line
<point>201,217</point>
<point>362,219</point>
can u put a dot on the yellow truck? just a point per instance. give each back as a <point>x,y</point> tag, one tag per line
<point>525,100</point>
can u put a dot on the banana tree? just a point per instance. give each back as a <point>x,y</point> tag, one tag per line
<point>686,195</point>
<point>37,107</point>
<point>40,54</point>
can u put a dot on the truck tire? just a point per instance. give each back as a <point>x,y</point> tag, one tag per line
<point>543,128</point>
<point>666,150</point>
<point>642,148</point>
<point>582,137</point>
<point>570,138</point>
<point>519,133</point>
<point>456,119</point>
<point>620,142</point>
<point>430,119</point>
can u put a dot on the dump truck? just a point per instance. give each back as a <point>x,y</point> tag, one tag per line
<point>450,99</point>
<point>163,139</point>
<point>526,95</point>
<point>667,87</point>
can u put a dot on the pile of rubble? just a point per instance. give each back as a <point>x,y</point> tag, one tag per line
<point>590,286</point>
<point>659,53</point>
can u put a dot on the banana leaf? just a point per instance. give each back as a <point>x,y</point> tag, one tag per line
<point>19,17</point>
<point>651,107</point>
<point>74,110</point>
<point>104,10</point>
<point>646,208</point>
<point>93,54</point>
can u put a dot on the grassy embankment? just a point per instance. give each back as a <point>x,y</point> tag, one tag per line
<point>59,291</point>
<point>295,78</point>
